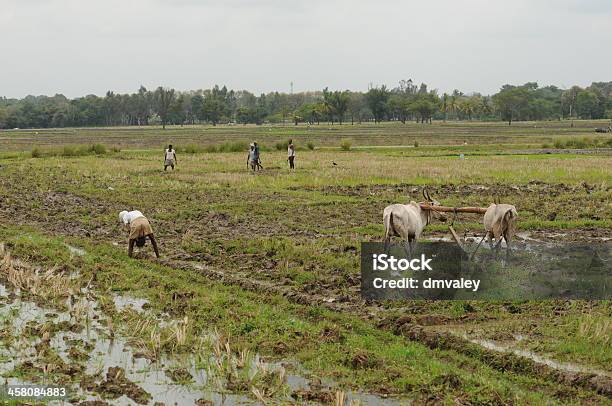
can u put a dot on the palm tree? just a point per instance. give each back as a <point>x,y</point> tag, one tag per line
<point>452,105</point>
<point>467,107</point>
<point>444,105</point>
<point>485,105</point>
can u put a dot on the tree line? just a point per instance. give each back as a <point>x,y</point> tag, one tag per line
<point>405,102</point>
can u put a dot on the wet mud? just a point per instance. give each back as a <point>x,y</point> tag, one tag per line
<point>71,341</point>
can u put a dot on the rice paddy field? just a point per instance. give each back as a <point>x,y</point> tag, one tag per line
<point>255,299</point>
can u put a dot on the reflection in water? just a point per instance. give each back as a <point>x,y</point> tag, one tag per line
<point>107,350</point>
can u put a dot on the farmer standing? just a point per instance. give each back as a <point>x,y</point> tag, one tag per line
<point>140,229</point>
<point>291,154</point>
<point>169,157</point>
<point>257,156</point>
<point>253,161</point>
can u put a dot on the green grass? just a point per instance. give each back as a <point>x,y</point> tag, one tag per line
<point>68,151</point>
<point>302,230</point>
<point>263,323</point>
<point>456,133</point>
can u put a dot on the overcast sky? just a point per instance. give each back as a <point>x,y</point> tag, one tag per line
<point>79,47</point>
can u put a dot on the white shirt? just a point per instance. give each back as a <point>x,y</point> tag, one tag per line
<point>131,216</point>
<point>170,154</point>
<point>291,150</point>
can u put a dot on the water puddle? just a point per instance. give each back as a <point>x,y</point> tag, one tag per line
<point>76,250</point>
<point>526,236</point>
<point>83,339</point>
<point>322,390</point>
<point>523,240</point>
<point>561,366</point>
<point>123,302</point>
<point>102,351</point>
<point>57,329</point>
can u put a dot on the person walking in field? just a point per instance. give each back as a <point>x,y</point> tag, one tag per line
<point>257,156</point>
<point>291,154</point>
<point>140,229</point>
<point>251,157</point>
<point>169,157</point>
<point>253,161</point>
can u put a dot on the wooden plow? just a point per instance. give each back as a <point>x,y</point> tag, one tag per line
<point>455,210</point>
<point>446,209</point>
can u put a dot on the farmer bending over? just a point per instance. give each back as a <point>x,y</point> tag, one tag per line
<point>169,157</point>
<point>140,229</point>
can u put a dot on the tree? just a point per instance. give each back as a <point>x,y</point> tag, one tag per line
<point>357,106</point>
<point>212,109</point>
<point>245,115</point>
<point>309,113</point>
<point>59,119</point>
<point>405,102</point>
<point>425,105</point>
<point>586,104</point>
<point>486,106</point>
<point>111,107</point>
<point>569,98</point>
<point>444,107</point>
<point>452,105</point>
<point>599,110</point>
<point>399,105</point>
<point>509,101</point>
<point>163,100</point>
<point>472,105</point>
<point>318,112</point>
<point>284,112</point>
<point>336,103</point>
<point>3,117</point>
<point>341,104</point>
<point>377,98</point>
<point>177,113</point>
<point>197,107</point>
<point>143,105</point>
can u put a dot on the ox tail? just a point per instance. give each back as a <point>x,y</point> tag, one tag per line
<point>390,227</point>
<point>509,222</point>
<point>389,230</point>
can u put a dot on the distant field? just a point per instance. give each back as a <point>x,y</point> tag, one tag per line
<point>269,261</point>
<point>522,134</point>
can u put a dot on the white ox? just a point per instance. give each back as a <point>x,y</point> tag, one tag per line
<point>407,221</point>
<point>499,223</point>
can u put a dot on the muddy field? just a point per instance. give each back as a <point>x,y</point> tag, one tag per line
<point>59,331</point>
<point>259,278</point>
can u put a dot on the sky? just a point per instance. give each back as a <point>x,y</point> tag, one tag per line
<point>79,47</point>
